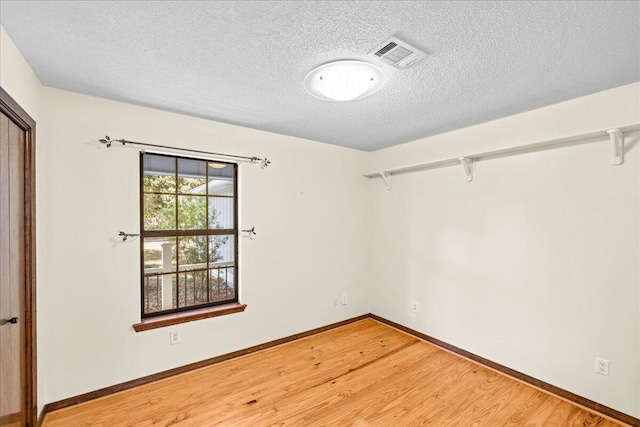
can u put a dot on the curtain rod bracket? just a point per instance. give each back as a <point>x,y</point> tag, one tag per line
<point>252,231</point>
<point>386,177</point>
<point>617,146</point>
<point>125,236</point>
<point>467,164</point>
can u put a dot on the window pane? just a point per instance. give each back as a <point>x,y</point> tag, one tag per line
<point>152,293</point>
<point>159,212</point>
<point>221,284</point>
<point>192,252</point>
<point>221,212</point>
<point>159,174</point>
<point>200,288</point>
<point>221,249</point>
<point>192,288</point>
<point>159,255</point>
<point>159,292</point>
<point>192,176</point>
<point>182,289</point>
<point>220,179</point>
<point>192,212</point>
<point>169,300</point>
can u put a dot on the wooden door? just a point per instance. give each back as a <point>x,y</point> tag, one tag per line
<point>16,375</point>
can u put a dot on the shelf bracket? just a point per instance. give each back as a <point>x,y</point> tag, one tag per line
<point>467,164</point>
<point>386,177</point>
<point>617,146</point>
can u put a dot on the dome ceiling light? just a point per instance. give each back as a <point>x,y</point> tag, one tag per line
<point>344,80</point>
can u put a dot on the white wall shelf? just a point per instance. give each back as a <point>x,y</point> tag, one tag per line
<point>616,137</point>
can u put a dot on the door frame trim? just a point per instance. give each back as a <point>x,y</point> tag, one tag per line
<point>18,115</point>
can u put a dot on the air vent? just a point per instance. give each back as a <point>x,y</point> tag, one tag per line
<point>397,53</point>
<point>386,49</point>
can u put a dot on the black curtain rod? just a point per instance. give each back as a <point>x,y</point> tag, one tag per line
<point>106,140</point>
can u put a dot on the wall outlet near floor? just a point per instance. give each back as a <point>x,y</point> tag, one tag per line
<point>602,366</point>
<point>345,299</point>
<point>175,336</point>
<point>415,307</point>
<point>336,300</point>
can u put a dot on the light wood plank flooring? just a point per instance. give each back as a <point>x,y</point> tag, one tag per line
<point>361,374</point>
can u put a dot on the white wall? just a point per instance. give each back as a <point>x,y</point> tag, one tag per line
<point>534,264</point>
<point>17,77</point>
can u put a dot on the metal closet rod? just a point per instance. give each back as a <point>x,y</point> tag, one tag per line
<point>108,141</point>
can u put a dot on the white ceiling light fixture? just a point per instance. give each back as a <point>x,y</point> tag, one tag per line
<point>344,80</point>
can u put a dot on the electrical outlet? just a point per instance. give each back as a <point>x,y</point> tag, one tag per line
<point>336,300</point>
<point>345,299</point>
<point>175,336</point>
<point>414,307</point>
<point>602,366</point>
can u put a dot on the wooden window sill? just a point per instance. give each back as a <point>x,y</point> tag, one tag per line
<point>188,316</point>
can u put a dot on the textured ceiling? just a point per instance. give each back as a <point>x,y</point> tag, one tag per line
<point>244,62</point>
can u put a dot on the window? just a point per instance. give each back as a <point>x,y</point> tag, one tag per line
<point>189,233</point>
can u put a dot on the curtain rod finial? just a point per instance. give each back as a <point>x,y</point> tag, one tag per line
<point>106,140</point>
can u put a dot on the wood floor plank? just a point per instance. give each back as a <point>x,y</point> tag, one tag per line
<point>353,396</point>
<point>520,401</point>
<point>361,374</point>
<point>533,412</point>
<point>425,400</point>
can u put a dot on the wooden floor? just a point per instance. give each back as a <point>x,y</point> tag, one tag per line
<point>362,374</point>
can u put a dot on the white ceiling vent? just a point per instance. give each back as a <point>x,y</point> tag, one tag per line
<point>397,53</point>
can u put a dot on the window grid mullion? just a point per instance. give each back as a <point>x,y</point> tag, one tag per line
<point>206,192</point>
<point>177,238</point>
